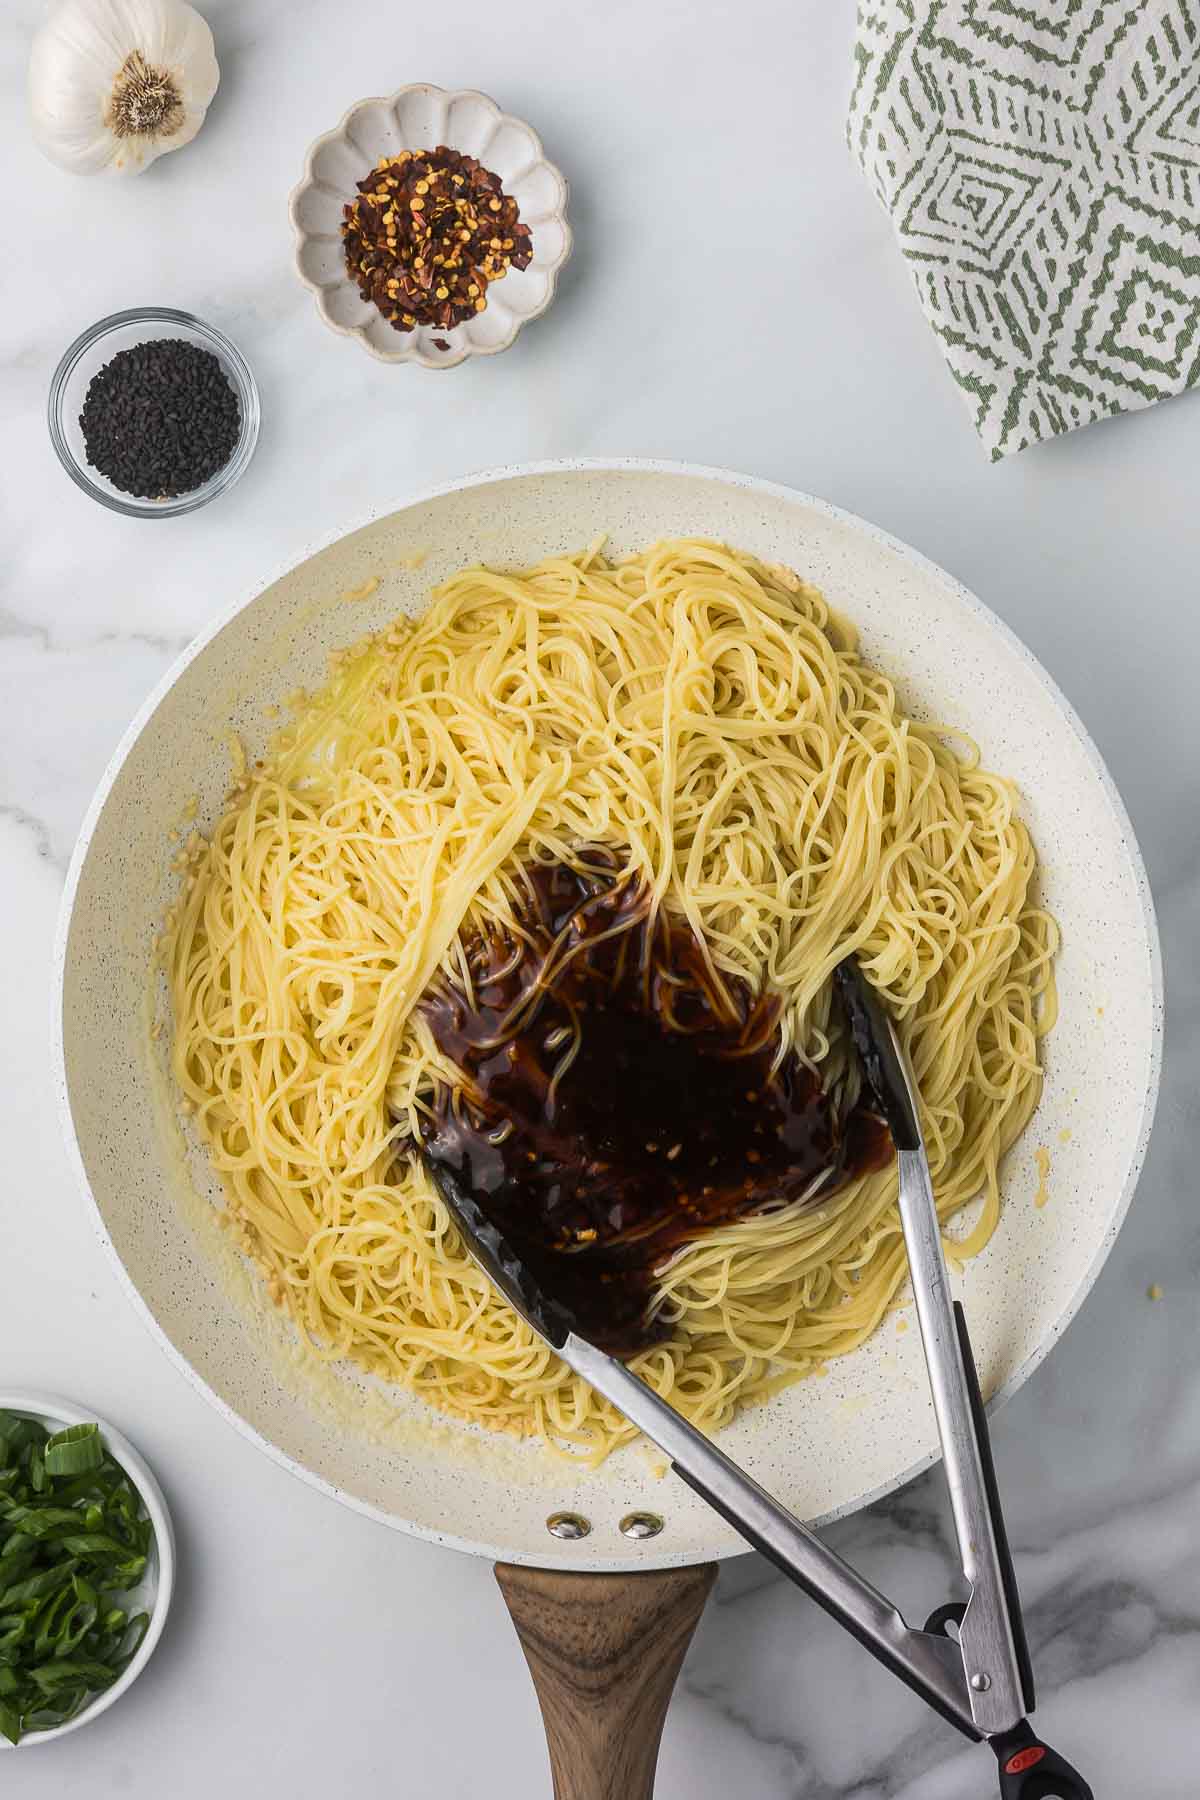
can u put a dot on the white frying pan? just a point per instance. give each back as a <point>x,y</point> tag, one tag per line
<point>824,1447</point>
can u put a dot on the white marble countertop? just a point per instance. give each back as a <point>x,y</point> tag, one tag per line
<point>312,1652</point>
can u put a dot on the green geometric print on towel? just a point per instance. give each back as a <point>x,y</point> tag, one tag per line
<point>1041,167</point>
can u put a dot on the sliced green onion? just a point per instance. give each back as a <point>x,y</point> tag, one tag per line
<point>39,1521</point>
<point>37,1587</point>
<point>20,1554</point>
<point>73,1541</point>
<point>75,1451</point>
<point>94,1543</point>
<point>14,1430</point>
<point>135,1630</point>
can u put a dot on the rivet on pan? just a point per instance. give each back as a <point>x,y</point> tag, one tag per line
<point>568,1525</point>
<point>640,1525</point>
<point>981,1682</point>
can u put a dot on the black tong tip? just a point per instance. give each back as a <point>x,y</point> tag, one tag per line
<point>872,1034</point>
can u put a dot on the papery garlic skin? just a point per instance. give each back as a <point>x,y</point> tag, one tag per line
<point>113,84</point>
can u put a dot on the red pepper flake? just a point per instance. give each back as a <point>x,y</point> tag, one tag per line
<point>430,230</point>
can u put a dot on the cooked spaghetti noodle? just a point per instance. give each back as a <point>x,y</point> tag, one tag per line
<point>706,719</point>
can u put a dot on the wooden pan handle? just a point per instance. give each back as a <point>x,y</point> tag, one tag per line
<point>604,1651</point>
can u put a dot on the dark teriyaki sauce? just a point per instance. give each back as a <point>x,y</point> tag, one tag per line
<point>616,1099</point>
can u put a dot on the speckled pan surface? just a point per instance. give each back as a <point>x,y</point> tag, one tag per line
<point>825,1446</point>
<point>420,117</point>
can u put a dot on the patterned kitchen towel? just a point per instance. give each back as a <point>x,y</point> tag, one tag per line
<point>1040,160</point>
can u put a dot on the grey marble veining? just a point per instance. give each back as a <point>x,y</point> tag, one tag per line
<point>312,1652</point>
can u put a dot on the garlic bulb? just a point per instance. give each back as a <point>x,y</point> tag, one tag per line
<point>115,83</point>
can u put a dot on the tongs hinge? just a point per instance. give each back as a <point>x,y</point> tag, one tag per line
<point>928,1663</point>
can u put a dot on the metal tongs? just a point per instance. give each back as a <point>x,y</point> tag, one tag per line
<point>981,1680</point>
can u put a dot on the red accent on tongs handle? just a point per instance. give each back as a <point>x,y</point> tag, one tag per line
<point>1031,1770</point>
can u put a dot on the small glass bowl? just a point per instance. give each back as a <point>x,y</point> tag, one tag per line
<point>88,355</point>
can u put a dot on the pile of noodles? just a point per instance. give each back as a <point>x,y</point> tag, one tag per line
<point>706,718</point>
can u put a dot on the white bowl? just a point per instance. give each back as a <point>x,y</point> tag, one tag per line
<point>420,117</point>
<point>153,1592</point>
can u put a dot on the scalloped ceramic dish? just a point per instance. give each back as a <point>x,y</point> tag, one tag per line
<point>420,117</point>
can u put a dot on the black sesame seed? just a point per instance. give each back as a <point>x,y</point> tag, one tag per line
<point>160,419</point>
